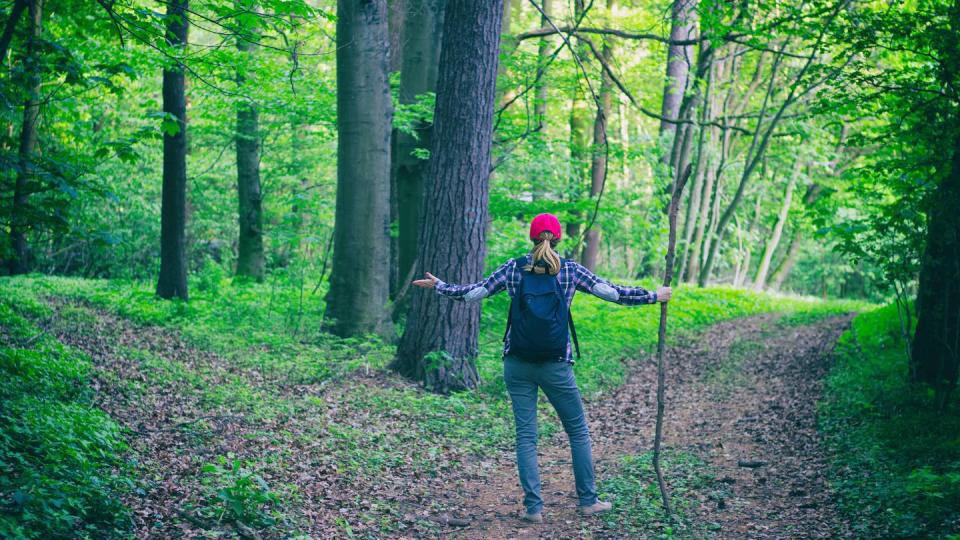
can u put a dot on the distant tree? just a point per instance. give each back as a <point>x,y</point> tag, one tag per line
<point>360,281</point>
<point>679,61</point>
<point>173,210</point>
<point>598,165</point>
<point>421,57</point>
<point>19,221</point>
<point>250,259</point>
<point>439,344</point>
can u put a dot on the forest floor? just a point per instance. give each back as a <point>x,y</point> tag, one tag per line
<point>259,442</point>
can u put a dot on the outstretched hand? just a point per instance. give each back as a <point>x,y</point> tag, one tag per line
<point>428,283</point>
<point>663,293</point>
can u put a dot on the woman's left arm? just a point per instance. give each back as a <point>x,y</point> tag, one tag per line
<point>625,295</point>
<point>471,292</point>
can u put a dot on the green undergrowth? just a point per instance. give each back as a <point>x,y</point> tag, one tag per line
<point>61,468</point>
<point>896,459</point>
<point>637,504</point>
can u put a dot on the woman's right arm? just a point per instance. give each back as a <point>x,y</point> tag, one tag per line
<point>472,292</point>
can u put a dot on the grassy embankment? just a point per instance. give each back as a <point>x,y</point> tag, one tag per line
<point>896,458</point>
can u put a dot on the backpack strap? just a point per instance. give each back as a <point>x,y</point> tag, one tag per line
<point>517,262</point>
<point>573,333</point>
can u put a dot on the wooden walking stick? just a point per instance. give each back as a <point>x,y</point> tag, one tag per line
<point>675,195</point>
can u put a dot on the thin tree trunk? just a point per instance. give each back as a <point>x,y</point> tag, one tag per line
<point>761,280</point>
<point>250,259</point>
<point>360,280</point>
<point>579,153</point>
<point>19,262</point>
<point>11,25</point>
<point>543,55</point>
<point>598,169</point>
<point>679,59</point>
<point>422,36</point>
<point>793,249</point>
<point>396,23</point>
<point>440,341</point>
<point>173,212</point>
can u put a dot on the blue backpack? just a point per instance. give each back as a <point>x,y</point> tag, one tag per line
<point>539,317</point>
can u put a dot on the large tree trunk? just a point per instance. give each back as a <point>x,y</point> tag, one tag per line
<point>761,280</point>
<point>20,260</point>
<point>360,281</point>
<point>250,260</point>
<point>936,344</point>
<point>598,169</point>
<point>422,35</point>
<point>439,344</point>
<point>173,211</point>
<point>679,60</point>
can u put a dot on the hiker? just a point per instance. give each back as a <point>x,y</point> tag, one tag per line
<point>537,352</point>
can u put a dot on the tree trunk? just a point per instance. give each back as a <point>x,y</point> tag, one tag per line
<point>250,260</point>
<point>439,344</point>
<point>579,152</point>
<point>936,343</point>
<point>755,154</point>
<point>782,270</point>
<point>11,25</point>
<point>679,59</point>
<point>543,55</point>
<point>173,211</point>
<point>598,169</point>
<point>422,35</point>
<point>19,262</point>
<point>396,23</point>
<point>360,280</point>
<point>761,280</point>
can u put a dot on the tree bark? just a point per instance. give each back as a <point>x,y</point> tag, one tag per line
<point>360,280</point>
<point>598,168</point>
<point>396,23</point>
<point>936,343</point>
<point>679,60</point>
<point>19,262</point>
<point>422,35</point>
<point>173,212</point>
<point>771,246</point>
<point>439,344</point>
<point>250,259</point>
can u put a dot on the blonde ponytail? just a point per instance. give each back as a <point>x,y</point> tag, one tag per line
<point>544,252</point>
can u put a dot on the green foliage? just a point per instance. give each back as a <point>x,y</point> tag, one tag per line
<point>896,460</point>
<point>241,494</point>
<point>61,468</point>
<point>637,505</point>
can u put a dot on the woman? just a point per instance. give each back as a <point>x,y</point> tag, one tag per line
<point>537,351</point>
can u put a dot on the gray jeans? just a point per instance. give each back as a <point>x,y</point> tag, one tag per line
<point>557,381</point>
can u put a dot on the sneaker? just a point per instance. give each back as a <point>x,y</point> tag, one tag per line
<point>532,518</point>
<point>598,507</point>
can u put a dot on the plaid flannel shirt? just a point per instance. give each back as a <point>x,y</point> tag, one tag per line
<point>573,277</point>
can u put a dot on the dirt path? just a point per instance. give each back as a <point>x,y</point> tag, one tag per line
<point>741,397</point>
